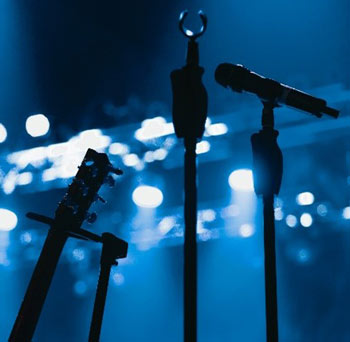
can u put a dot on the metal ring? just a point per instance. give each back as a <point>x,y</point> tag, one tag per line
<point>188,33</point>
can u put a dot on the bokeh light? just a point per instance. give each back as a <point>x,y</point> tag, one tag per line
<point>241,180</point>
<point>37,125</point>
<point>147,196</point>
<point>8,219</point>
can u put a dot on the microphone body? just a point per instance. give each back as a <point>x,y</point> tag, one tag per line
<point>240,79</point>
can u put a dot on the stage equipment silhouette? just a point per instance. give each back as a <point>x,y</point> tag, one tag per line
<point>268,160</point>
<point>190,102</point>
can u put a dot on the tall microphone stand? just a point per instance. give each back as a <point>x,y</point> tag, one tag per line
<point>189,115</point>
<point>267,170</point>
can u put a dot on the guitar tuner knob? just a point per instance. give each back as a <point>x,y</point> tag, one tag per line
<point>116,171</point>
<point>91,218</point>
<point>110,181</point>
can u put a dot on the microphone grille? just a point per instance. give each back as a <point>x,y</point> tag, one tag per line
<point>223,74</point>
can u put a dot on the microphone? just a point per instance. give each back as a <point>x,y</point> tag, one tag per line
<point>240,79</point>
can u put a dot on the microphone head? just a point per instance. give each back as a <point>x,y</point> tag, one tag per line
<point>231,75</point>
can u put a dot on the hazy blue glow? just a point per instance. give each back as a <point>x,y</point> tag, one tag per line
<point>306,220</point>
<point>8,220</point>
<point>305,198</point>
<point>37,125</point>
<point>241,180</point>
<point>147,196</point>
<point>3,133</point>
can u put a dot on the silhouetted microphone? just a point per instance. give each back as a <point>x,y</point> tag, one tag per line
<point>241,79</point>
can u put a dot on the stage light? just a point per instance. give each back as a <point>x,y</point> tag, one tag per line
<point>203,147</point>
<point>246,230</point>
<point>305,198</point>
<point>279,214</point>
<point>24,178</point>
<point>118,278</point>
<point>154,128</point>
<point>80,287</point>
<point>3,133</point>
<point>241,180</point>
<point>37,125</point>
<point>147,196</point>
<point>306,220</point>
<point>207,215</point>
<point>346,213</point>
<point>131,159</point>
<point>217,129</point>
<point>322,210</point>
<point>160,154</point>
<point>291,221</point>
<point>118,149</point>
<point>8,220</point>
<point>166,224</point>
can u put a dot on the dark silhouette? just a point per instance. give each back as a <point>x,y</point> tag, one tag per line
<point>190,103</point>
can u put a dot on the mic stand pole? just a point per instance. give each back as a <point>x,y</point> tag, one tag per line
<point>189,116</point>
<point>112,249</point>
<point>267,170</point>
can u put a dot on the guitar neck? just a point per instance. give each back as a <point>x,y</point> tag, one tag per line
<point>29,313</point>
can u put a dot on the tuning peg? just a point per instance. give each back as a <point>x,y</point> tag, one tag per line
<point>99,198</point>
<point>91,217</point>
<point>116,171</point>
<point>109,180</point>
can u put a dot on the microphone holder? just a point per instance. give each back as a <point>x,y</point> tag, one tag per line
<point>267,170</point>
<point>190,103</point>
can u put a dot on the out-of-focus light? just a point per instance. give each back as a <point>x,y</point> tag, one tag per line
<point>306,220</point>
<point>91,138</point>
<point>322,210</point>
<point>8,220</point>
<point>241,180</point>
<point>49,175</point>
<point>160,154</point>
<point>118,278</point>
<point>9,182</point>
<point>26,238</point>
<point>24,178</point>
<point>166,224</point>
<point>278,202</point>
<point>217,129</point>
<point>246,230</point>
<point>118,149</point>
<point>37,125</point>
<point>78,254</point>
<point>203,147</point>
<point>230,211</point>
<point>154,128</point>
<point>149,157</point>
<point>346,213</point>
<point>131,159</point>
<point>305,198</point>
<point>303,255</point>
<point>3,133</point>
<point>147,196</point>
<point>291,221</point>
<point>207,215</point>
<point>80,287</point>
<point>279,214</point>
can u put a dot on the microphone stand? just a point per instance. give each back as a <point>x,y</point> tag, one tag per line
<point>112,249</point>
<point>268,167</point>
<point>189,116</point>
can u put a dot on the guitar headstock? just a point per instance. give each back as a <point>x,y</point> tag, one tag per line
<point>94,170</point>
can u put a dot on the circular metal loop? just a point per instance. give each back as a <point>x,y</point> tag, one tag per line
<point>188,33</point>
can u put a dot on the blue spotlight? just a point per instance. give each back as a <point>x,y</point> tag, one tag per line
<point>3,133</point>
<point>305,198</point>
<point>241,180</point>
<point>147,196</point>
<point>37,125</point>
<point>8,220</point>
<point>306,220</point>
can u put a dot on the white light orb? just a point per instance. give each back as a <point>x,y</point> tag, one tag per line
<point>37,125</point>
